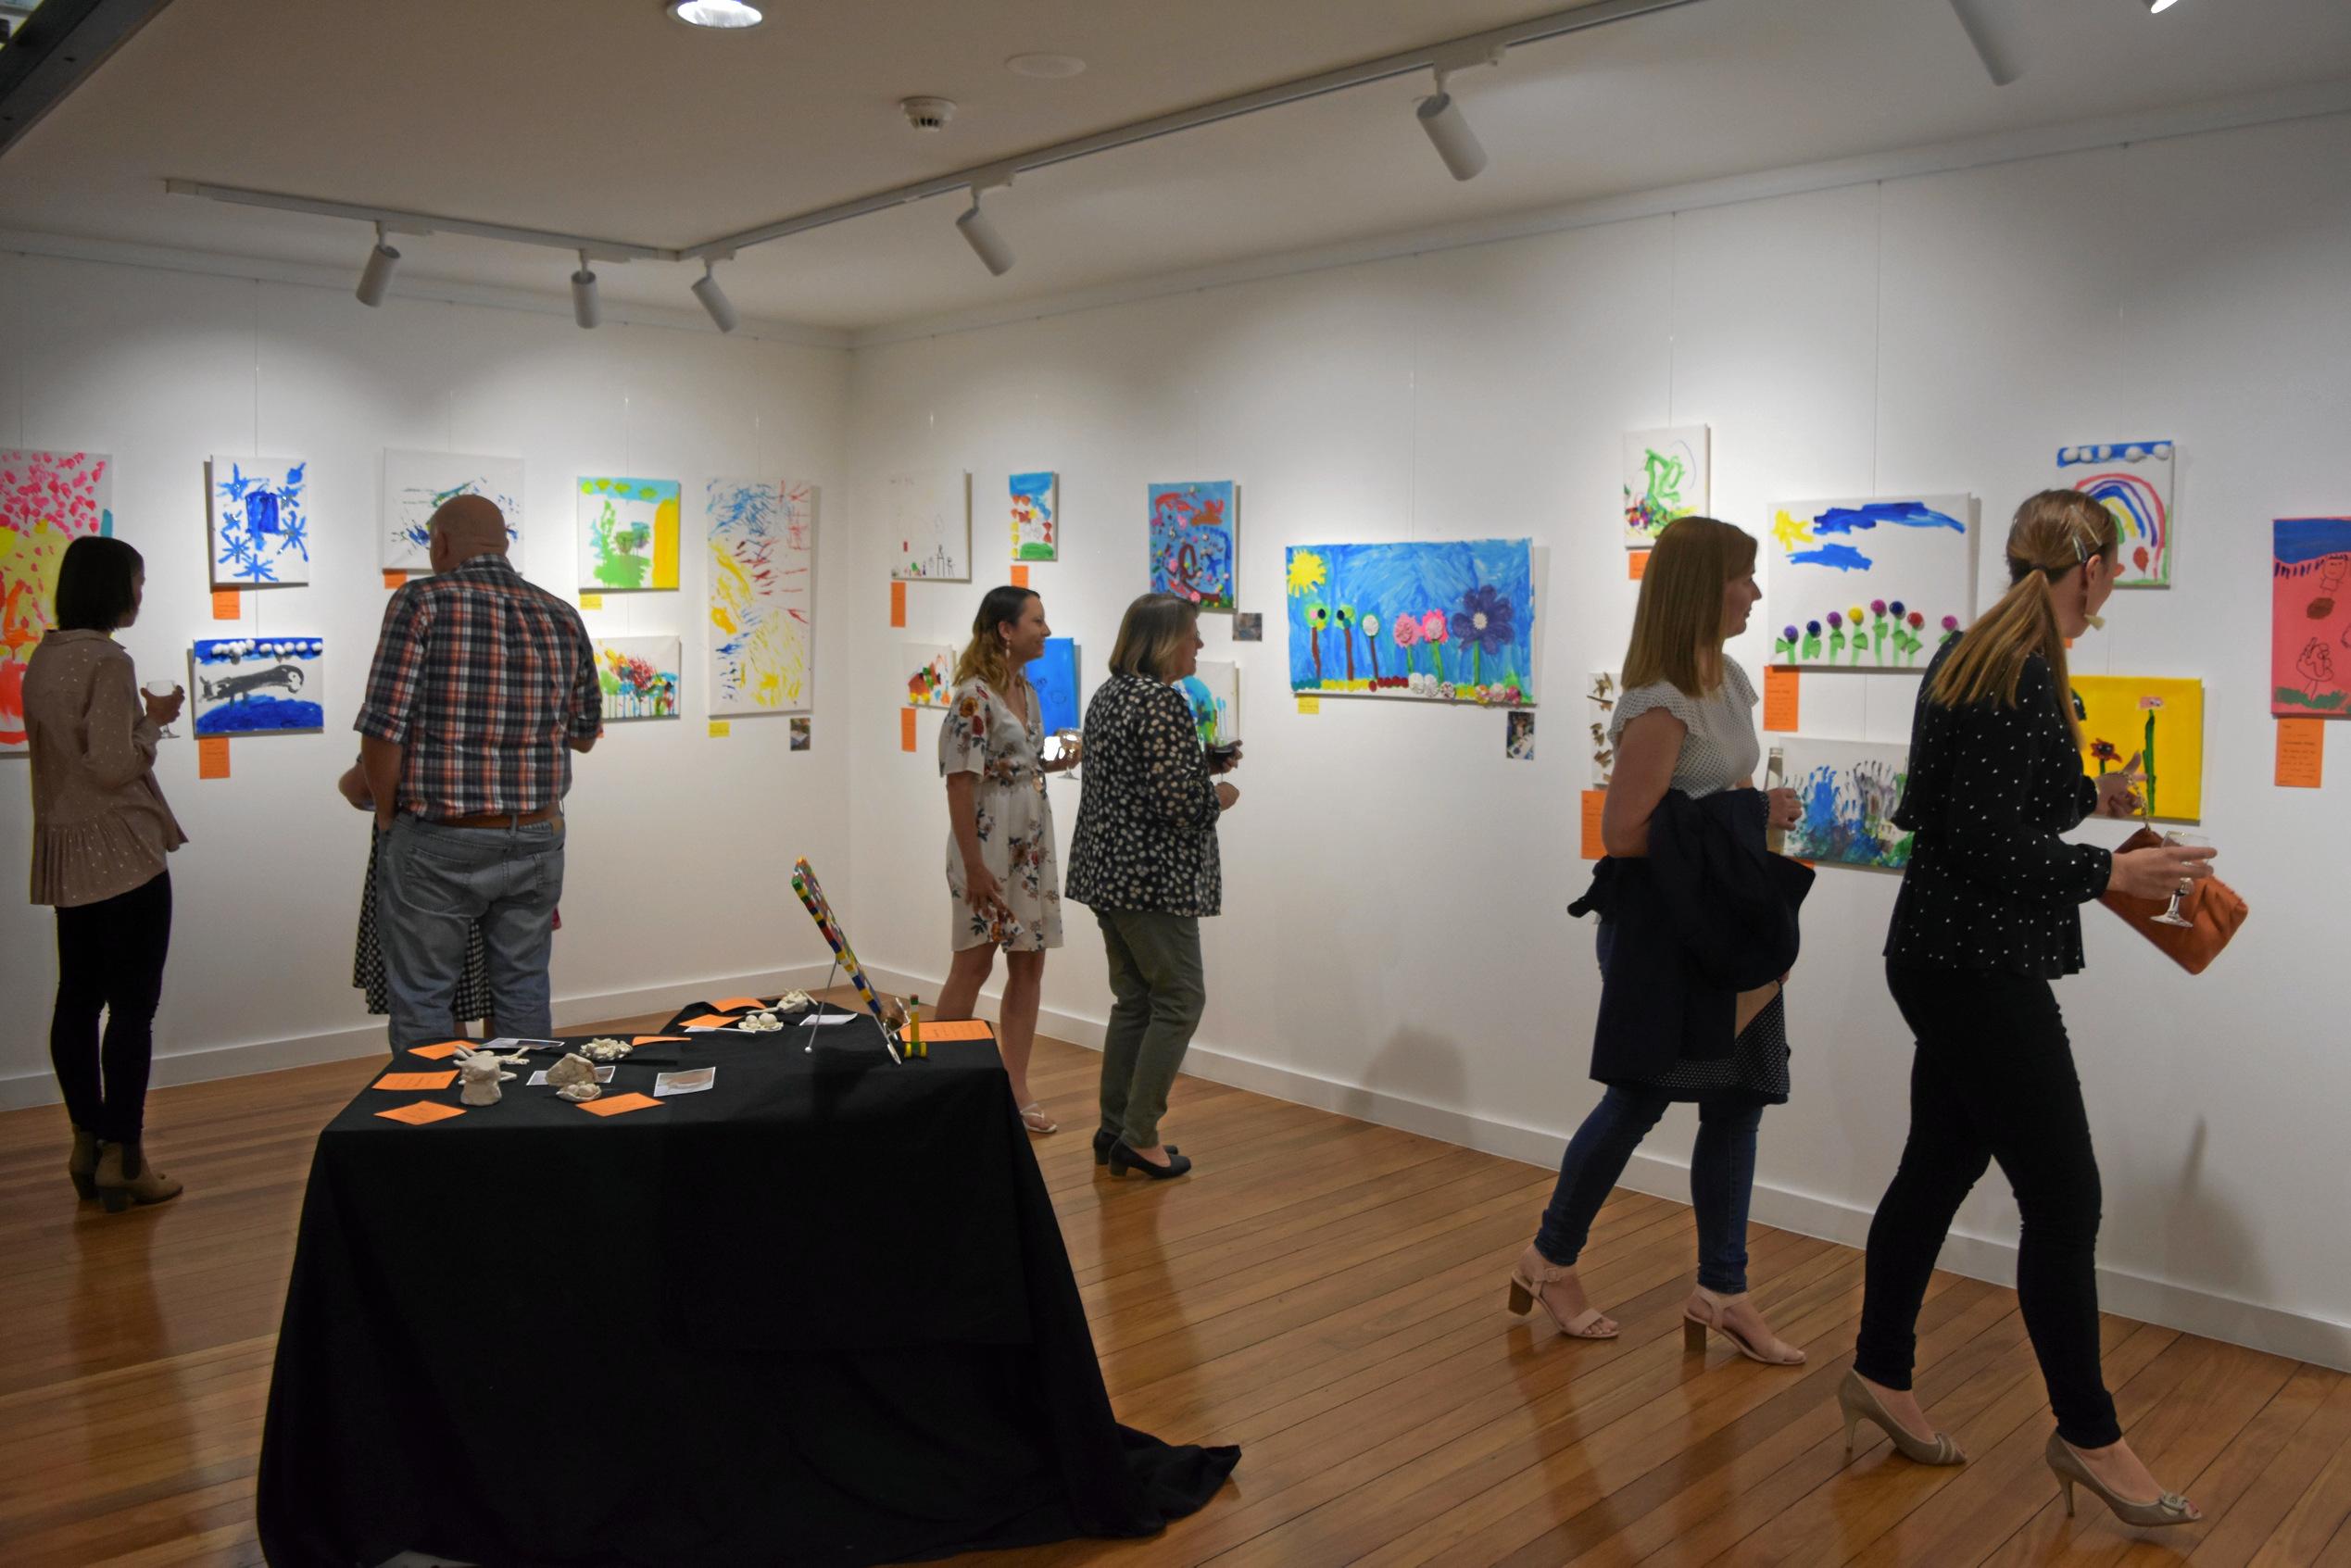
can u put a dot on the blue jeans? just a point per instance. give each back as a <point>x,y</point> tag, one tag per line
<point>431,884</point>
<point>1722,1174</point>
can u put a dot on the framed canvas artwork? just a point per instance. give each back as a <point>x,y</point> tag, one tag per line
<point>1037,520</point>
<point>2132,479</point>
<point>931,520</point>
<point>1665,477</point>
<point>1450,621</point>
<point>47,500</point>
<point>638,676</point>
<point>628,535</point>
<point>260,522</point>
<point>257,685</point>
<point>2310,618</point>
<point>1868,585</point>
<point>415,486</point>
<point>1192,533</point>
<point>761,538</point>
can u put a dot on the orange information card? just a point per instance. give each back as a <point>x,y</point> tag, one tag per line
<point>659,1040</point>
<point>1595,800</point>
<point>414,1081</point>
<point>2302,753</point>
<point>618,1105</point>
<point>1781,689</point>
<point>227,604</point>
<point>738,1004</point>
<point>906,729</point>
<point>1637,564</point>
<point>212,757</point>
<point>416,1113</point>
<point>1020,577</point>
<point>898,604</point>
<point>708,1020</point>
<point>396,579</point>
<point>960,1029</point>
<point>441,1052</point>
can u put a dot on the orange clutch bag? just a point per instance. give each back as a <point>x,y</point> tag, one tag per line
<point>2213,907</point>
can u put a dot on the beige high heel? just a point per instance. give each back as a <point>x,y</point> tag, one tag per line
<point>2169,1507</point>
<point>1707,1311</point>
<point>1859,1404</point>
<point>82,1165</point>
<point>124,1177</point>
<point>1530,1275</point>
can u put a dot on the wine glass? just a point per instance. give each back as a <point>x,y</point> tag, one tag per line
<point>161,691</point>
<point>1067,745</point>
<point>2171,915</point>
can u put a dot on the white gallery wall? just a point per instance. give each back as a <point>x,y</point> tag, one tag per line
<point>1394,942</point>
<point>163,369</point>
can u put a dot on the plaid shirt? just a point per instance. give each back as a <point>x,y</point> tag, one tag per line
<point>484,679</point>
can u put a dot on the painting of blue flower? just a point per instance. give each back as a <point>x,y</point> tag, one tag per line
<point>1453,621</point>
<point>260,522</point>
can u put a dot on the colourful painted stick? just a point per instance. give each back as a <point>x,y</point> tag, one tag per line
<point>820,909</point>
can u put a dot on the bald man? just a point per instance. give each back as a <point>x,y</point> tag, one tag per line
<point>482,687</point>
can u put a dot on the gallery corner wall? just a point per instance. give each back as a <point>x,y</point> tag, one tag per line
<point>1393,943</point>
<point>680,841</point>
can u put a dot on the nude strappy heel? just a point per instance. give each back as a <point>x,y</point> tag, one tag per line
<point>1528,1277</point>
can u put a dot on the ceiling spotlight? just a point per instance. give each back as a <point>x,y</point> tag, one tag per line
<point>2156,7</point>
<point>732,15</point>
<point>585,308</point>
<point>377,277</point>
<point>1449,133</point>
<point>985,242</point>
<point>714,300</point>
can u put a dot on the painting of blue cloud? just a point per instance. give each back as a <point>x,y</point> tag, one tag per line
<point>1192,533</point>
<point>1847,791</point>
<point>1449,622</point>
<point>1870,584</point>
<point>1053,676</point>
<point>415,483</point>
<point>257,685</point>
<point>260,522</point>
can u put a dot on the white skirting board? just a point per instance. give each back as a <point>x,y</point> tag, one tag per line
<point>2186,1308</point>
<point>241,1060</point>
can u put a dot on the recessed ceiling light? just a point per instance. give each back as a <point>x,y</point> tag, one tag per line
<point>733,15</point>
<point>1047,66</point>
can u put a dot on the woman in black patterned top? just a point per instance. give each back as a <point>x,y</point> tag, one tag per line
<point>1987,915</point>
<point>1144,858</point>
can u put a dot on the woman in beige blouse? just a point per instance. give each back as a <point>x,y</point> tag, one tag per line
<point>100,833</point>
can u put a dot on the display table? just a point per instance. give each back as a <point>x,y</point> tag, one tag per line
<point>819,1313</point>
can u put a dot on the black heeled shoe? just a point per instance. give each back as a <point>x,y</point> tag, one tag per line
<point>1102,1142</point>
<point>1123,1160</point>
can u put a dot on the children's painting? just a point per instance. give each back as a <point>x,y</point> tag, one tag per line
<point>2132,480</point>
<point>2160,721</point>
<point>762,538</point>
<point>1213,690</point>
<point>415,486</point>
<point>260,522</point>
<point>639,677</point>
<point>628,535</point>
<point>1665,477</point>
<point>1868,585</point>
<point>257,685</point>
<point>1192,532</point>
<point>2310,618</point>
<point>1518,736</point>
<point>930,673</point>
<point>1053,676</point>
<point>1848,791</point>
<point>47,500</point>
<point>931,518</point>
<point>1037,516</point>
<point>1451,623</point>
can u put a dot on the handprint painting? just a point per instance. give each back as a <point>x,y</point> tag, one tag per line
<point>1848,791</point>
<point>2310,618</point>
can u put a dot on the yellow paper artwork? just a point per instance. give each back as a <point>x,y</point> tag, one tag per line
<point>2159,719</point>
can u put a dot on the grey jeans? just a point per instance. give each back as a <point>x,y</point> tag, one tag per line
<point>1159,991</point>
<point>431,884</point>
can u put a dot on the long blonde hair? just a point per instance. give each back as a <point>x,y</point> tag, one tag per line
<point>2054,531</point>
<point>1676,634</point>
<point>1152,636</point>
<point>987,655</point>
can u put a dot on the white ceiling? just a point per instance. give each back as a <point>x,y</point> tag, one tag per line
<point>604,117</point>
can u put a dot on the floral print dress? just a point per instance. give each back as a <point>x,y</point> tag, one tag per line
<point>984,733</point>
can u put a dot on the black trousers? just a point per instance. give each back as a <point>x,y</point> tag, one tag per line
<point>110,960</point>
<point>1993,1079</point>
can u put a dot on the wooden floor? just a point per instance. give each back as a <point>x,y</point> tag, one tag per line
<point>1325,1293</point>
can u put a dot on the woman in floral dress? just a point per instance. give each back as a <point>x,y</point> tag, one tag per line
<point>1002,870</point>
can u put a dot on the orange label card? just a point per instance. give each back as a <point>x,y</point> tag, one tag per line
<point>1595,800</point>
<point>227,605</point>
<point>898,604</point>
<point>212,757</point>
<point>441,1052</point>
<point>618,1105</point>
<point>906,729</point>
<point>414,1081</point>
<point>1020,577</point>
<point>1781,686</point>
<point>396,579</point>
<point>960,1029</point>
<point>2302,753</point>
<point>660,1039</point>
<point>738,1004</point>
<point>417,1112</point>
<point>1636,564</point>
<point>708,1020</point>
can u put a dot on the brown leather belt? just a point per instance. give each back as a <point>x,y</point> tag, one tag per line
<point>500,818</point>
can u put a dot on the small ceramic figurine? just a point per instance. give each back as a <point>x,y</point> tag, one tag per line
<point>759,1023</point>
<point>606,1049</point>
<point>573,1069</point>
<point>576,1093</point>
<point>479,1074</point>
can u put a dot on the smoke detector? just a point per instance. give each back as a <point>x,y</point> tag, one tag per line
<point>927,114</point>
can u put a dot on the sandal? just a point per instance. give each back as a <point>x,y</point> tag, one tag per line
<point>1033,1117</point>
<point>1534,1273</point>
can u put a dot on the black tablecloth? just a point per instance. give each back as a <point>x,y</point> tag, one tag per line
<point>819,1313</point>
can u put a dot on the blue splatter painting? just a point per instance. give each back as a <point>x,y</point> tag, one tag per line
<point>1192,531</point>
<point>260,522</point>
<point>1444,622</point>
<point>1868,585</point>
<point>415,486</point>
<point>1053,675</point>
<point>257,685</point>
<point>1848,791</point>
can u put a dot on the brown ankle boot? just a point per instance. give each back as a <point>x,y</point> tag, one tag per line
<point>82,1165</point>
<point>125,1177</point>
